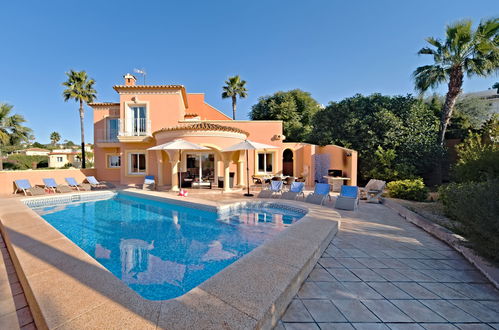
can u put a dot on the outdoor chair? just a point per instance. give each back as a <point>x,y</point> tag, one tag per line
<point>94,183</point>
<point>149,183</point>
<point>51,185</point>
<point>300,179</point>
<point>289,180</point>
<point>372,191</point>
<point>294,191</point>
<point>275,188</point>
<point>321,192</point>
<point>78,186</point>
<point>348,198</point>
<point>26,187</point>
<point>257,180</point>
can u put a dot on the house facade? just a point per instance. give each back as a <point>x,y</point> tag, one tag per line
<point>60,158</point>
<point>35,152</point>
<point>149,115</point>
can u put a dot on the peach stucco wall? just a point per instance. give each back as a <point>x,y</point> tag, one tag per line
<point>165,110</point>
<point>342,159</point>
<point>36,177</point>
<point>205,111</point>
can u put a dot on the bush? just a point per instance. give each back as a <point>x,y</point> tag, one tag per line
<point>478,161</point>
<point>24,162</point>
<point>408,189</point>
<point>475,205</point>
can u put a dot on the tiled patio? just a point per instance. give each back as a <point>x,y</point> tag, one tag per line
<point>381,272</point>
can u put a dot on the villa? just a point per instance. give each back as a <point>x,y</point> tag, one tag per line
<point>150,115</point>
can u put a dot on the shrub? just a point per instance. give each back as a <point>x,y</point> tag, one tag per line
<point>478,161</point>
<point>408,189</point>
<point>475,205</point>
<point>24,162</point>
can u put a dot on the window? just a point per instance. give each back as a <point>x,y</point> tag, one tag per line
<point>139,125</point>
<point>265,162</point>
<point>113,161</point>
<point>137,163</point>
<point>59,159</point>
<point>113,127</point>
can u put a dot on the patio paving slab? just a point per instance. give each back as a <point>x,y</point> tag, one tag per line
<point>323,311</point>
<point>448,311</point>
<point>417,311</point>
<point>409,279</point>
<point>355,311</point>
<point>386,311</point>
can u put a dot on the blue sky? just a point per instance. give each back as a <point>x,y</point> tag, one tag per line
<point>332,49</point>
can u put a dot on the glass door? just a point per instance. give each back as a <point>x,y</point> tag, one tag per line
<point>201,166</point>
<point>207,167</point>
<point>113,127</point>
<point>138,121</point>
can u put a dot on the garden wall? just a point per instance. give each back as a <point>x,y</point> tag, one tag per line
<point>36,177</point>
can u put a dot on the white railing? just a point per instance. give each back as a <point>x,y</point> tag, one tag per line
<point>137,127</point>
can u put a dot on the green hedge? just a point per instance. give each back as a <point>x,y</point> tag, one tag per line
<point>475,205</point>
<point>24,162</point>
<point>408,189</point>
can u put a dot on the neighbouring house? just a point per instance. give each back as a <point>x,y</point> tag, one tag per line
<point>35,152</point>
<point>59,158</point>
<point>149,115</point>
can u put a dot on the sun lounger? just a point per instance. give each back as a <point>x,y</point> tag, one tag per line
<point>94,183</point>
<point>51,185</point>
<point>294,191</point>
<point>348,198</point>
<point>275,188</point>
<point>321,192</point>
<point>372,191</point>
<point>78,186</point>
<point>149,183</point>
<point>26,187</point>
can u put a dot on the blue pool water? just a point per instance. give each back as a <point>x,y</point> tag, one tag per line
<point>162,250</point>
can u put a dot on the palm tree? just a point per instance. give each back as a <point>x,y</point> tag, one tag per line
<point>233,88</point>
<point>464,51</point>
<point>80,88</point>
<point>55,137</point>
<point>12,130</point>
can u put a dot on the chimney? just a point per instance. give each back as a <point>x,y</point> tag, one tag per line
<point>129,80</point>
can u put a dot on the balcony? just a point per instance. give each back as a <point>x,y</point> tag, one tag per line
<point>106,137</point>
<point>137,130</point>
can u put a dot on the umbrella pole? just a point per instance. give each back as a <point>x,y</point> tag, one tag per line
<point>247,176</point>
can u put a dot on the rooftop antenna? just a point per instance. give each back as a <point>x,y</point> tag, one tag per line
<point>142,72</point>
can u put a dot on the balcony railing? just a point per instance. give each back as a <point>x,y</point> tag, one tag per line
<point>106,136</point>
<point>137,127</point>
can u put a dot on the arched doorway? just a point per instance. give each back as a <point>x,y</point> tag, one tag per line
<point>287,162</point>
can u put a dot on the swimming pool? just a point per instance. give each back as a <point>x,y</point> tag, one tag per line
<point>163,250</point>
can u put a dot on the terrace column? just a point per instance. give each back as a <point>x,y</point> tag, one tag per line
<point>174,162</point>
<point>240,173</point>
<point>226,161</point>
<point>159,155</point>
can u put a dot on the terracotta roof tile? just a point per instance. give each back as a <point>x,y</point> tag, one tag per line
<point>148,86</point>
<point>102,104</point>
<point>202,127</point>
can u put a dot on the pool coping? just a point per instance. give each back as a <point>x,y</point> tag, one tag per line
<point>68,289</point>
